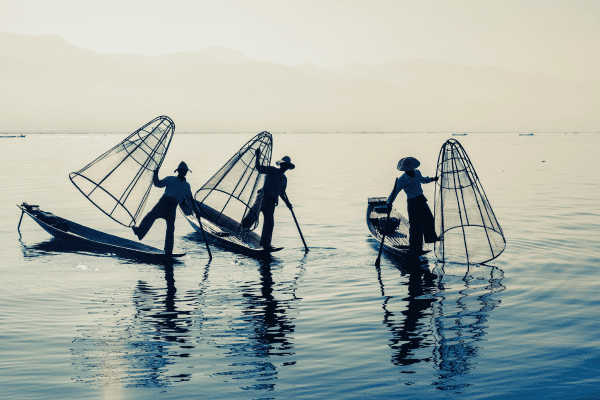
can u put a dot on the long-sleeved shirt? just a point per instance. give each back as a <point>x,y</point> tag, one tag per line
<point>411,186</point>
<point>275,182</point>
<point>174,187</point>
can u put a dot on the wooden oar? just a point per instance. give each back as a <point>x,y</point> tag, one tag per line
<point>202,229</point>
<point>382,240</point>
<point>384,231</point>
<point>19,226</point>
<point>297,226</point>
<point>299,231</point>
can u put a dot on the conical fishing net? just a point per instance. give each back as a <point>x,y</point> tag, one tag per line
<point>233,196</point>
<point>464,218</point>
<point>119,181</point>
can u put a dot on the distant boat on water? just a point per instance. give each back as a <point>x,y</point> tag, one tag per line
<point>459,134</point>
<point>11,136</point>
<point>525,134</point>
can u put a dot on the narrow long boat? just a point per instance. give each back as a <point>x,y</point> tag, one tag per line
<point>70,231</point>
<point>396,238</point>
<point>229,203</point>
<point>247,243</point>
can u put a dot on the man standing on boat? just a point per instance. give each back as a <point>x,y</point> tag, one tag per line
<point>419,215</point>
<point>275,185</point>
<point>177,190</point>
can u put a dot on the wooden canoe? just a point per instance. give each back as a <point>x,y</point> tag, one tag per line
<point>101,242</point>
<point>396,240</point>
<point>247,243</point>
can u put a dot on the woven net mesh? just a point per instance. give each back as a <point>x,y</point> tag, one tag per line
<point>119,181</point>
<point>464,218</point>
<point>232,198</point>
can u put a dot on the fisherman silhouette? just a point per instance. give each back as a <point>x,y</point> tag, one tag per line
<point>274,187</point>
<point>419,215</point>
<point>177,190</point>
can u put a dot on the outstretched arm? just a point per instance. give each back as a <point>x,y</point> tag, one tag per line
<point>286,200</point>
<point>192,207</point>
<point>393,195</point>
<point>427,179</point>
<point>157,182</point>
<point>284,197</point>
<point>261,169</point>
<point>195,208</point>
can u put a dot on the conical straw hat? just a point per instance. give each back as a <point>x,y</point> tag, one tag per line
<point>408,164</point>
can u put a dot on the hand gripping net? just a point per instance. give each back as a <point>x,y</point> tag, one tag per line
<point>232,198</point>
<point>464,219</point>
<point>119,181</point>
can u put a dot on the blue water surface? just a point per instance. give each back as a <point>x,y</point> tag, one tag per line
<point>326,324</point>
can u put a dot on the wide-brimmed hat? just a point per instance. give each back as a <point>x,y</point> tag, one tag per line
<point>183,165</point>
<point>286,160</point>
<point>408,164</point>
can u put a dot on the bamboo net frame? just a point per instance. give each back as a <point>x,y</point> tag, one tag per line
<point>465,221</point>
<point>234,194</point>
<point>119,181</point>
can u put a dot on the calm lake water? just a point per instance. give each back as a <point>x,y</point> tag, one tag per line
<point>327,324</point>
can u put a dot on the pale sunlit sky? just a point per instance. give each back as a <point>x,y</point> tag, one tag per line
<point>559,38</point>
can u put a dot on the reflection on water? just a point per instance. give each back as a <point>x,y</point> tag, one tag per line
<point>263,331</point>
<point>151,344</point>
<point>165,326</point>
<point>409,334</point>
<point>444,319</point>
<point>464,301</point>
<point>140,347</point>
<point>54,246</point>
<point>70,332</point>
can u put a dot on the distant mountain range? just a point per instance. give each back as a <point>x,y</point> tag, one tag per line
<point>48,84</point>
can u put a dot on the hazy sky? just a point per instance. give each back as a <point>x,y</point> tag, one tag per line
<point>560,38</point>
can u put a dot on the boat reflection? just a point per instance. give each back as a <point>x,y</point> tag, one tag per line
<point>444,320</point>
<point>56,246</point>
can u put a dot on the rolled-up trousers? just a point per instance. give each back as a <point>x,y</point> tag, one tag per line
<point>165,209</point>
<point>421,223</point>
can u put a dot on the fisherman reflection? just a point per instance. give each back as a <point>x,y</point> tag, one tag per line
<point>142,349</point>
<point>157,309</point>
<point>274,188</point>
<point>165,317</point>
<point>409,336</point>
<point>266,327</point>
<point>446,311</point>
<point>273,325</point>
